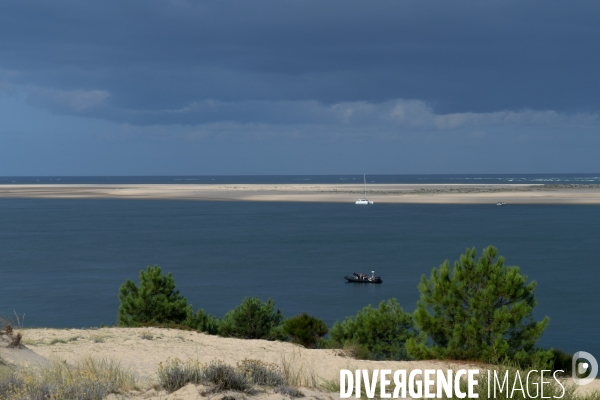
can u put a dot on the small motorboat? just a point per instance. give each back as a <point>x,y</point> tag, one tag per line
<point>500,203</point>
<point>363,278</point>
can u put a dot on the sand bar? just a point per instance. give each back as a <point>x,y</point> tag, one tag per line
<point>330,193</point>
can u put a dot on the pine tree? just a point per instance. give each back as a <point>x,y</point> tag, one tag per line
<point>305,330</point>
<point>381,332</point>
<point>481,310</point>
<point>253,319</point>
<point>155,301</point>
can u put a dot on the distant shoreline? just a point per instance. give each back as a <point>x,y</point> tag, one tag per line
<point>326,193</point>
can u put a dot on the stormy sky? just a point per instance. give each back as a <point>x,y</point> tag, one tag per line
<point>298,87</point>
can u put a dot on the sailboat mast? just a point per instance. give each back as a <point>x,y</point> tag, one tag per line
<point>365,182</point>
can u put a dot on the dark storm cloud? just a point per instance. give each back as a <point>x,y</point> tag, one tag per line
<point>153,62</point>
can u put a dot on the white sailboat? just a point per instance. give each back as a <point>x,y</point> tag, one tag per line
<point>364,200</point>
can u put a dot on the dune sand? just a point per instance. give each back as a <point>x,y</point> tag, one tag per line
<point>142,349</point>
<point>379,193</point>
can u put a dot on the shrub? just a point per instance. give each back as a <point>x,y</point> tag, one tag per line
<point>173,375</point>
<point>562,361</point>
<point>305,330</point>
<point>9,383</point>
<point>481,310</point>
<point>88,380</point>
<point>154,301</point>
<point>289,391</point>
<point>202,321</point>
<point>15,341</point>
<point>380,333</point>
<point>224,377</point>
<point>261,373</point>
<point>253,319</point>
<point>298,371</point>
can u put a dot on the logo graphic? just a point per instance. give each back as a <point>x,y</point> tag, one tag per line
<point>581,364</point>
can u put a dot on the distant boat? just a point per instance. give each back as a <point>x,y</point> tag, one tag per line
<point>364,200</point>
<point>363,278</point>
<point>500,203</point>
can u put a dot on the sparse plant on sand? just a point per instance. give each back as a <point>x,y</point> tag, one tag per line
<point>174,374</point>
<point>146,335</point>
<point>218,376</point>
<point>88,380</point>
<point>15,340</point>
<point>98,338</point>
<point>261,373</point>
<point>222,377</point>
<point>289,391</point>
<point>298,371</point>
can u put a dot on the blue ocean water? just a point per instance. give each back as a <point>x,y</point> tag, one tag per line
<point>62,261</point>
<point>322,179</point>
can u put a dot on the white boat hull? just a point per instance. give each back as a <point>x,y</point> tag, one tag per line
<point>364,201</point>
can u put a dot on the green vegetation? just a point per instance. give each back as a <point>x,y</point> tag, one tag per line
<point>89,380</point>
<point>253,319</point>
<point>154,301</point>
<point>219,376</point>
<point>481,310</point>
<point>202,321</point>
<point>305,330</point>
<point>261,373</point>
<point>157,303</point>
<point>379,333</point>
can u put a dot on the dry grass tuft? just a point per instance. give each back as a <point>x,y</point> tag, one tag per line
<point>15,341</point>
<point>219,377</point>
<point>147,336</point>
<point>261,373</point>
<point>289,391</point>
<point>298,372</point>
<point>174,374</point>
<point>88,380</point>
<point>98,338</point>
<point>222,377</point>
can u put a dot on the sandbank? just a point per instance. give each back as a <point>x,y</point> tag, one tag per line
<point>329,193</point>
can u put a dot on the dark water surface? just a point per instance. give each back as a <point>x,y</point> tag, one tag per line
<point>62,261</point>
<point>575,179</point>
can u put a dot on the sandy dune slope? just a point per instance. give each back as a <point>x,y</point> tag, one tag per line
<point>142,349</point>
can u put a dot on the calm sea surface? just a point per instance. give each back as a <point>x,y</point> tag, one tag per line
<point>62,261</point>
<point>322,179</point>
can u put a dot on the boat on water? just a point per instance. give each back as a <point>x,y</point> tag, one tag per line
<point>364,201</point>
<point>363,278</point>
<point>500,203</point>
